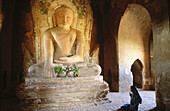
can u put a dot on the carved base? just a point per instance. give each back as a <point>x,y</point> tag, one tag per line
<point>61,92</point>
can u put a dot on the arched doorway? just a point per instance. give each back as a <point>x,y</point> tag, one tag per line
<point>133,45</point>
<point>137,69</point>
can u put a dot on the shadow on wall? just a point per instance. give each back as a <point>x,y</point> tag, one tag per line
<point>137,69</point>
<point>3,83</point>
<point>3,80</point>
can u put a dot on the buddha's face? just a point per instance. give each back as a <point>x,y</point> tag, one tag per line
<point>64,17</point>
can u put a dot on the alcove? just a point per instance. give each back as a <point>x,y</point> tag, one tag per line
<point>133,44</point>
<point>137,69</point>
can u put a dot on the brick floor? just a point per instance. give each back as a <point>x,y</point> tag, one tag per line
<point>117,99</point>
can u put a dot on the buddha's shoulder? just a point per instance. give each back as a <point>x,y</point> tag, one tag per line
<point>48,32</point>
<point>75,30</point>
<point>51,30</point>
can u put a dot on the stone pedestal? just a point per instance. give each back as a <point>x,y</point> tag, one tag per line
<point>62,92</point>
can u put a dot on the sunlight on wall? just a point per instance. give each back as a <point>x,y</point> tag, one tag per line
<point>133,40</point>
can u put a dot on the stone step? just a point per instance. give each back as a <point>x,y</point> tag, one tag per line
<point>68,87</point>
<point>62,92</point>
<point>62,80</point>
<point>60,106</point>
<point>37,101</point>
<point>65,95</point>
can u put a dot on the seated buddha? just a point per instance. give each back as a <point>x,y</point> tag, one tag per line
<point>63,45</point>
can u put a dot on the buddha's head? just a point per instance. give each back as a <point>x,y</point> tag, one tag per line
<point>63,17</point>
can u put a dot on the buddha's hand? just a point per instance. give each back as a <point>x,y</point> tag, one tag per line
<point>71,59</point>
<point>64,58</point>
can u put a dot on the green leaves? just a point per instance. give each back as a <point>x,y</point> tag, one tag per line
<point>68,68</point>
<point>75,68</point>
<point>59,69</point>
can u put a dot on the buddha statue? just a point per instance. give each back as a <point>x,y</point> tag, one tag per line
<point>63,45</point>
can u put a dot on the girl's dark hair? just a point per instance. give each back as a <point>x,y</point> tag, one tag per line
<point>133,88</point>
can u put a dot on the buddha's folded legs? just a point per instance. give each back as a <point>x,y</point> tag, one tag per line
<point>85,69</point>
<point>89,69</point>
<point>36,70</point>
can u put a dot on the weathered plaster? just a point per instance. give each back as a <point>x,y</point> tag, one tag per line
<point>133,39</point>
<point>43,20</point>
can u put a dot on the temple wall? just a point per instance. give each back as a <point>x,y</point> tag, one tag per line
<point>111,13</point>
<point>107,17</point>
<point>5,48</point>
<point>133,44</point>
<point>161,48</point>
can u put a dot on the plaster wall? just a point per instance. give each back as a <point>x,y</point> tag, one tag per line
<point>133,39</point>
<point>108,21</point>
<point>161,44</point>
<point>5,48</point>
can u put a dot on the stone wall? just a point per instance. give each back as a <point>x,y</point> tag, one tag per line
<point>109,14</point>
<point>5,48</point>
<point>161,47</point>
<point>133,43</point>
<point>11,40</point>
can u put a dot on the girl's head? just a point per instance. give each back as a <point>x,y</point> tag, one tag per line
<point>133,88</point>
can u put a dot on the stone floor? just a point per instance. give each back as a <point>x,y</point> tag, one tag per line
<point>117,99</point>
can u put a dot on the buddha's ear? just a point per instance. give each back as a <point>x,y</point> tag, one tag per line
<point>54,20</point>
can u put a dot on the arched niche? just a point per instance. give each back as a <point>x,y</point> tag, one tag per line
<point>137,72</point>
<point>42,12</point>
<point>133,44</point>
